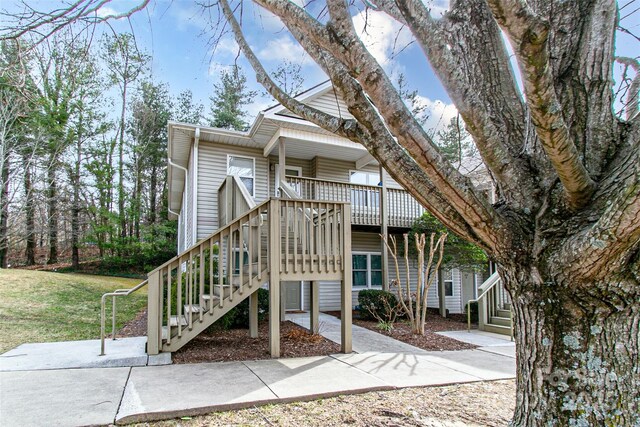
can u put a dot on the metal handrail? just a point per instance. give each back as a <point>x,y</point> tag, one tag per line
<point>486,291</point>
<point>113,295</point>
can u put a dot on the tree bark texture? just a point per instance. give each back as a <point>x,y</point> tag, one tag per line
<point>52,210</point>
<point>29,213</point>
<point>4,216</point>
<point>565,228</point>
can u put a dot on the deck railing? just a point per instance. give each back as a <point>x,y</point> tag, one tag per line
<point>301,239</point>
<point>365,200</point>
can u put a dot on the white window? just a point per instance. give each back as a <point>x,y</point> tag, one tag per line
<point>369,198</point>
<point>288,171</point>
<point>245,169</point>
<point>367,270</point>
<point>448,282</point>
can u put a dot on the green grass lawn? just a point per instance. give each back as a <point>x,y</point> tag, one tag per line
<point>38,306</point>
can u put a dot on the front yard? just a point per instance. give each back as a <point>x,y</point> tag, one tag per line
<point>37,306</point>
<point>488,403</point>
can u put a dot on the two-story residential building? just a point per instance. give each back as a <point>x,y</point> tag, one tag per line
<point>282,155</point>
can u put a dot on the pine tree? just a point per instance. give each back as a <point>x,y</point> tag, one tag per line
<point>228,100</point>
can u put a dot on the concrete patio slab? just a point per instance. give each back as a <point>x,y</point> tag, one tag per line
<point>364,340</point>
<point>69,397</point>
<point>406,370</point>
<point>309,377</point>
<point>160,392</point>
<point>79,354</point>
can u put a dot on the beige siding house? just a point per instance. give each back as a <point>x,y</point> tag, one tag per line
<point>282,155</point>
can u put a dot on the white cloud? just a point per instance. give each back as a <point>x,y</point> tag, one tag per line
<point>216,68</point>
<point>437,7</point>
<point>440,114</point>
<point>189,15</point>
<point>227,45</point>
<point>284,48</point>
<point>105,11</point>
<point>383,36</point>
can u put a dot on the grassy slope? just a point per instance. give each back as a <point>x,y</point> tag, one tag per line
<point>38,306</point>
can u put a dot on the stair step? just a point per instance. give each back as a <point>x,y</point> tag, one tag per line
<point>207,301</point>
<point>503,313</point>
<point>497,329</point>
<point>500,321</point>
<point>194,308</point>
<point>173,322</point>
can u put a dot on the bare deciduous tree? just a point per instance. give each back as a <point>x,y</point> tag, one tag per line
<point>414,304</point>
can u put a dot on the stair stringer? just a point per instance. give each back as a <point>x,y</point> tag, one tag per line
<point>209,317</point>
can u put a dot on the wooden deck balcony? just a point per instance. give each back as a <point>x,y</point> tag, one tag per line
<point>366,200</point>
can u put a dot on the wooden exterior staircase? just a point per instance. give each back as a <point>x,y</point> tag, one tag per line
<point>494,307</point>
<point>279,239</point>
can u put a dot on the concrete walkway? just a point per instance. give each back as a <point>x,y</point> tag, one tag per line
<point>487,341</point>
<point>363,339</point>
<point>90,396</point>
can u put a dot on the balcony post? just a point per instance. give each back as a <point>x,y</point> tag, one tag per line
<point>282,167</point>
<point>274,278</point>
<point>384,222</point>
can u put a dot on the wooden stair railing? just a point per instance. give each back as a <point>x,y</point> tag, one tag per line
<point>307,240</point>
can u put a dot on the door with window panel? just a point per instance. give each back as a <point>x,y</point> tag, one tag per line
<point>244,168</point>
<point>365,200</point>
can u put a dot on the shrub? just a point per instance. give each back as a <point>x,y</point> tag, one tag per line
<point>377,305</point>
<point>474,311</point>
<point>238,317</point>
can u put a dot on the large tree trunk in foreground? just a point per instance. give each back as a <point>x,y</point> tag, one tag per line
<point>566,227</point>
<point>577,355</point>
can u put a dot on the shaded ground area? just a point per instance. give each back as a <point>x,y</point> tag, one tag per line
<point>430,341</point>
<point>488,403</point>
<point>218,345</point>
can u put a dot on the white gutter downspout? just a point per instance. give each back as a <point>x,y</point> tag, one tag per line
<point>194,191</point>
<point>184,197</point>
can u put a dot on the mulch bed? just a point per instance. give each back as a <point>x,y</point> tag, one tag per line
<point>217,345</point>
<point>430,340</point>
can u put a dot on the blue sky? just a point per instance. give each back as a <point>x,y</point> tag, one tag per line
<point>176,33</point>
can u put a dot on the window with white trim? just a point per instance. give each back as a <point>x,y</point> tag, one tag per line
<point>245,169</point>
<point>367,270</point>
<point>361,197</point>
<point>447,276</point>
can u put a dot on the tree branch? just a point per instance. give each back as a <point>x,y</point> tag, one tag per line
<point>376,137</point>
<point>602,249</point>
<point>476,73</point>
<point>632,105</point>
<point>529,34</point>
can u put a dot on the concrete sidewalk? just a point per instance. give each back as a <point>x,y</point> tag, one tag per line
<point>71,397</point>
<point>74,397</point>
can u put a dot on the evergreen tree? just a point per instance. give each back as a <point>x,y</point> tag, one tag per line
<point>455,143</point>
<point>187,110</point>
<point>229,98</point>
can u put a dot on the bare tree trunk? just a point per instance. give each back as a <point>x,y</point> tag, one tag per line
<point>52,205</point>
<point>4,214</point>
<point>153,197</point>
<point>121,195</point>
<point>30,253</point>
<point>75,210</point>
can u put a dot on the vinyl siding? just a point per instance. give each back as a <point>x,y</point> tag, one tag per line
<point>305,165</point>
<point>212,170</point>
<point>338,170</point>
